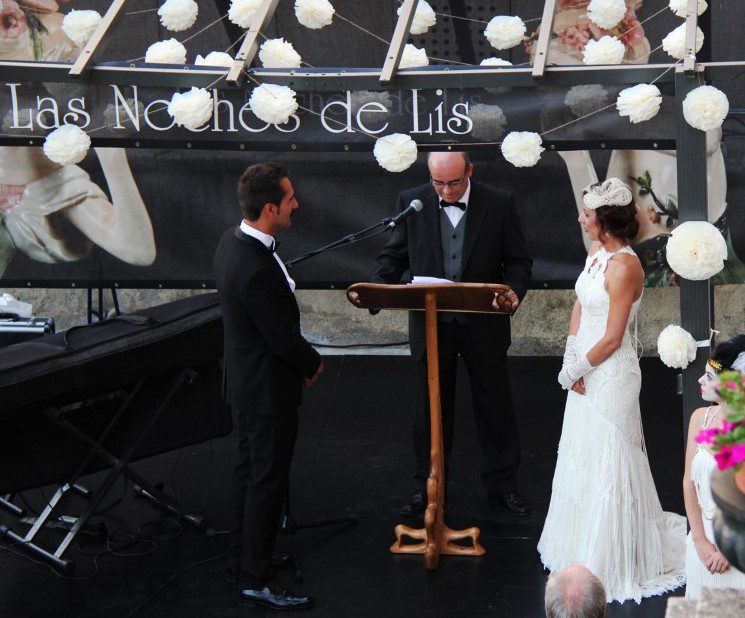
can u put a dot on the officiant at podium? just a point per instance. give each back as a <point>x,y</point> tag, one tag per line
<point>467,232</point>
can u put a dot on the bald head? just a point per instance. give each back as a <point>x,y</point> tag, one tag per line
<point>575,592</point>
<point>449,172</point>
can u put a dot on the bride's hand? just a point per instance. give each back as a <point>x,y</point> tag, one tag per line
<point>718,563</point>
<point>579,386</point>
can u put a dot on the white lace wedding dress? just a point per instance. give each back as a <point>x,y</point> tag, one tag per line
<point>604,511</point>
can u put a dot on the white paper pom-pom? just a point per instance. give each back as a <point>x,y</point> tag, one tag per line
<point>166,52</point>
<point>606,13</point>
<point>639,103</point>
<point>675,42</point>
<point>279,54</point>
<point>424,17</point>
<point>241,12</point>
<point>676,347</point>
<point>80,25</point>
<point>696,250</point>
<point>586,98</point>
<point>314,14</point>
<point>413,57</point>
<point>505,31</point>
<point>522,148</point>
<point>488,121</point>
<point>215,59</point>
<point>495,62</point>
<point>273,103</point>
<point>680,7</point>
<point>191,109</point>
<point>178,15</point>
<point>67,145</point>
<point>705,108</point>
<point>395,152</point>
<point>608,50</point>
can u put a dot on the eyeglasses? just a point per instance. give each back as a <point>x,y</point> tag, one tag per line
<point>450,185</point>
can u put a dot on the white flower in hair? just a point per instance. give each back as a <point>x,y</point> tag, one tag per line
<point>279,54</point>
<point>608,50</point>
<point>606,13</point>
<point>495,62</point>
<point>241,12</point>
<point>488,121</point>
<point>586,98</point>
<point>505,31</point>
<point>166,52</point>
<point>314,14</point>
<point>676,347</point>
<point>696,250</point>
<point>178,15</point>
<point>395,152</point>
<point>273,103</point>
<point>680,7</point>
<point>611,192</point>
<point>639,103</point>
<point>424,17</point>
<point>80,25</point>
<point>67,145</point>
<point>191,109</point>
<point>705,108</point>
<point>675,42</point>
<point>215,59</point>
<point>522,148</point>
<point>413,57</point>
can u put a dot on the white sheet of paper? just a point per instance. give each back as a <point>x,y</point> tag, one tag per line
<point>428,280</point>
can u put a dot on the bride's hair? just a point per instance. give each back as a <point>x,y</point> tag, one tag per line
<point>619,221</point>
<point>727,352</point>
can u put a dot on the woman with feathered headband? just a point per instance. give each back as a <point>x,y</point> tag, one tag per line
<point>604,511</point>
<point>706,566</point>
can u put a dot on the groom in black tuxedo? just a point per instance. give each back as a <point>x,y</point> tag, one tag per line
<point>267,364</point>
<point>467,232</point>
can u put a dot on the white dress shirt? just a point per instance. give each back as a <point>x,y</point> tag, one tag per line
<point>455,214</point>
<point>268,242</point>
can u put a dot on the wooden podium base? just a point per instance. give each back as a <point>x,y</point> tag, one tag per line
<point>433,546</point>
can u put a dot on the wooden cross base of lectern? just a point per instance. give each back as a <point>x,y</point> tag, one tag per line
<point>435,539</point>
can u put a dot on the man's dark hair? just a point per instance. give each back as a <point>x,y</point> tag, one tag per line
<point>258,186</point>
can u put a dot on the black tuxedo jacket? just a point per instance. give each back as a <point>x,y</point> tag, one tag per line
<point>494,251</point>
<point>266,357</point>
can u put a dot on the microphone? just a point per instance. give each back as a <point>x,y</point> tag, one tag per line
<point>415,206</point>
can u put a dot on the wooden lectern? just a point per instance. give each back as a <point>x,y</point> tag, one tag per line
<point>435,538</point>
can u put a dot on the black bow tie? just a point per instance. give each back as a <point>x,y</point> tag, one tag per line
<point>459,205</point>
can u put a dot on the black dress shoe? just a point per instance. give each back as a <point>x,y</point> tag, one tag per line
<point>512,501</point>
<point>415,506</point>
<point>275,597</point>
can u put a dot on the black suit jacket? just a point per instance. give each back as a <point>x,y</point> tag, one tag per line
<point>266,357</point>
<point>494,251</point>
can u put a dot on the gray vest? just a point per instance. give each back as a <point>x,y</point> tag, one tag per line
<point>452,255</point>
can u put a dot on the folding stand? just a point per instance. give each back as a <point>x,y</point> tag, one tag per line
<point>119,465</point>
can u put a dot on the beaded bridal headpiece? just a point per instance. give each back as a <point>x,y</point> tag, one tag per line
<point>612,192</point>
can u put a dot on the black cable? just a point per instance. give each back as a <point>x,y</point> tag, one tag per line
<point>173,578</point>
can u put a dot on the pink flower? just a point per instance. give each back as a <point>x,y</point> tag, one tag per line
<point>707,436</point>
<point>727,426</point>
<point>724,458</point>
<point>738,454</point>
<point>12,20</point>
<point>576,36</point>
<point>731,385</point>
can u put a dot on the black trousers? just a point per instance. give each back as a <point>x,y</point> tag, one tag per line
<point>493,410</point>
<point>260,479</point>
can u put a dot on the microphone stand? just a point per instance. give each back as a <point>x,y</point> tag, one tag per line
<point>346,241</point>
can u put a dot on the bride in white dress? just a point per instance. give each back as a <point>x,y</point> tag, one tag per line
<point>604,511</point>
<point>706,566</point>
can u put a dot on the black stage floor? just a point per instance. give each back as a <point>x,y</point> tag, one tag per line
<point>353,456</point>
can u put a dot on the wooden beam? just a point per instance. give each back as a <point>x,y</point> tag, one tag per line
<point>400,34</point>
<point>98,41</point>
<point>689,60</point>
<point>544,38</point>
<point>250,46</point>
